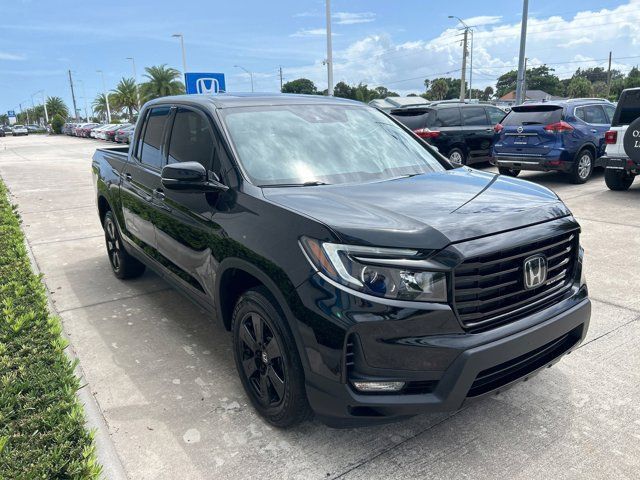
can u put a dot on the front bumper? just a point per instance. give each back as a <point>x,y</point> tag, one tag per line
<point>478,364</point>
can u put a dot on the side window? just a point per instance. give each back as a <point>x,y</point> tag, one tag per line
<point>580,114</point>
<point>448,117</point>
<point>609,110</point>
<point>149,147</point>
<point>495,115</point>
<point>191,139</point>
<point>595,115</point>
<point>474,116</point>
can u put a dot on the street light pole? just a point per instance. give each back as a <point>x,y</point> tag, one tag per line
<point>247,71</point>
<point>329,51</point>
<point>184,56</point>
<point>44,104</point>
<point>106,95</point>
<point>135,79</point>
<point>523,44</point>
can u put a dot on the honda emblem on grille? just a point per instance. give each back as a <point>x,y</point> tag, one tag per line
<point>520,129</point>
<point>535,271</point>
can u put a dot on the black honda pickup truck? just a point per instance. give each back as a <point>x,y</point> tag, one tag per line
<point>363,277</point>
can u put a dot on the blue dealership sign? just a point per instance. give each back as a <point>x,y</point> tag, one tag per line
<point>11,113</point>
<point>204,83</point>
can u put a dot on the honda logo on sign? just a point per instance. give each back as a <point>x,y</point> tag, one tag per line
<point>207,86</point>
<point>535,271</point>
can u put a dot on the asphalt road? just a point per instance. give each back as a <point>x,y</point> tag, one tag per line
<point>163,373</point>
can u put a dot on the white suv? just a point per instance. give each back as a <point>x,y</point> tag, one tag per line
<point>620,169</point>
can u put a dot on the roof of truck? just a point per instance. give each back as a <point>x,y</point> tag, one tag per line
<point>228,100</point>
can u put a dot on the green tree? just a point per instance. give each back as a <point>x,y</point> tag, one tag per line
<point>57,122</point>
<point>538,78</point>
<point>439,89</point>
<point>162,81</point>
<point>384,92</point>
<point>344,90</point>
<point>633,78</point>
<point>56,106</point>
<point>579,87</point>
<point>487,94</point>
<point>4,118</point>
<point>125,96</point>
<point>99,105</point>
<point>300,85</point>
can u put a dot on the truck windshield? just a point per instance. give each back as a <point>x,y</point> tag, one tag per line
<point>323,144</point>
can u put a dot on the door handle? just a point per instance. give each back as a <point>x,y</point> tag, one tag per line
<point>593,130</point>
<point>127,177</point>
<point>159,194</point>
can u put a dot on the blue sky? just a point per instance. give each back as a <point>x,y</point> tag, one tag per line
<point>396,44</point>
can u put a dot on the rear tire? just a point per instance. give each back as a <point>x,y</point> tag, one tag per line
<point>123,265</point>
<point>509,172</point>
<point>457,156</point>
<point>582,167</point>
<point>618,180</point>
<point>267,360</point>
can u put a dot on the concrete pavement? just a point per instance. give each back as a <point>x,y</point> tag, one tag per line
<point>164,378</point>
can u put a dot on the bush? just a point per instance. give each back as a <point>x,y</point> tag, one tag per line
<point>42,432</point>
<point>56,123</point>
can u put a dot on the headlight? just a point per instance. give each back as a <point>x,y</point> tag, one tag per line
<point>383,272</point>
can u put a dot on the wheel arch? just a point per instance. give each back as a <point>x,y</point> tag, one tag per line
<point>103,207</point>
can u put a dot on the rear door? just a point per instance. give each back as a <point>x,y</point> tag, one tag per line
<point>597,122</point>
<point>478,132</point>
<point>524,130</point>
<point>448,122</point>
<point>141,180</point>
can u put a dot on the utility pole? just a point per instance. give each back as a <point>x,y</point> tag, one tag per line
<point>329,52</point>
<point>280,69</point>
<point>463,87</point>
<point>609,76</point>
<point>523,45</point>
<point>524,81</point>
<point>73,97</point>
<point>44,104</point>
<point>471,70</point>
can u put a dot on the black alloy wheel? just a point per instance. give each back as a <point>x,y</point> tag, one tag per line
<point>123,265</point>
<point>261,357</point>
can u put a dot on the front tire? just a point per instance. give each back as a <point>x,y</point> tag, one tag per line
<point>509,172</point>
<point>618,180</point>
<point>582,167</point>
<point>123,265</point>
<point>267,360</point>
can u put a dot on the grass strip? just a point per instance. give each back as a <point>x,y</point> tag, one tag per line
<point>42,425</point>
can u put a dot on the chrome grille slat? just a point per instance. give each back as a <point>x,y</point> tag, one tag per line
<point>489,288</point>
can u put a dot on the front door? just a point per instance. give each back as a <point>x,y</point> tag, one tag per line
<point>478,131</point>
<point>187,234</point>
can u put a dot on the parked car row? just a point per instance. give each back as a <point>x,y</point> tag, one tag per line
<point>566,136</point>
<point>114,132</point>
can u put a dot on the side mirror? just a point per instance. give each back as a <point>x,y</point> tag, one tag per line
<point>189,177</point>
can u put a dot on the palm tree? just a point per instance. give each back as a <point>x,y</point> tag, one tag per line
<point>439,88</point>
<point>125,96</point>
<point>100,104</point>
<point>163,81</point>
<point>55,105</point>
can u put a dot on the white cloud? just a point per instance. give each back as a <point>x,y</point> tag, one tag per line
<point>11,56</point>
<point>583,40</point>
<point>347,18</point>
<point>312,32</point>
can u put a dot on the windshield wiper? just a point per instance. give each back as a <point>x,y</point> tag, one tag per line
<point>312,183</point>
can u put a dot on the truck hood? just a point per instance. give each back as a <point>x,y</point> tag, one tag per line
<point>427,211</point>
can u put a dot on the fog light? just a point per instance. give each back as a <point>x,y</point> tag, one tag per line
<point>379,386</point>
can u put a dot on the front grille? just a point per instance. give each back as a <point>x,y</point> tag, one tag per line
<point>489,289</point>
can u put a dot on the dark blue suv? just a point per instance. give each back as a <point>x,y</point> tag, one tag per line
<point>565,136</point>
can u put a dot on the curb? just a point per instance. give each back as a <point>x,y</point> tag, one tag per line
<point>106,454</point>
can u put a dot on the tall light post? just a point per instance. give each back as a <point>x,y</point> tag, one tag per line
<point>523,44</point>
<point>184,56</point>
<point>247,71</point>
<point>106,95</point>
<point>467,29</point>
<point>44,104</point>
<point>329,51</point>
<point>135,79</point>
